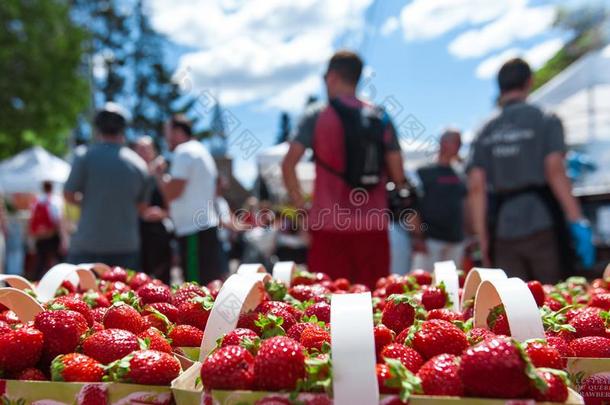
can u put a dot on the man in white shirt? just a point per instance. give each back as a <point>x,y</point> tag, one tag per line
<point>190,189</point>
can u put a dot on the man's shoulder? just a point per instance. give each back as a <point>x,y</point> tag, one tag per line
<point>133,158</point>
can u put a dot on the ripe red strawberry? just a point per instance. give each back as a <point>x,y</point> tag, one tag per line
<point>494,369</point>
<point>73,304</point>
<point>543,355</point>
<point>398,313</point>
<point>296,330</point>
<point>148,367</point>
<point>384,375</point>
<point>557,389</point>
<point>394,378</point>
<point>288,321</point>
<point>590,322</point>
<point>150,293</point>
<point>476,335</point>
<point>4,327</point>
<point>93,394</point>
<point>314,337</point>
<point>267,306</point>
<point>228,368</point>
<point>115,274</point>
<point>407,356</point>
<point>600,301</point>
<point>76,367</point>
<point>445,314</point>
<point>279,364</point>
<point>342,284</point>
<point>314,293</point>
<point>437,337</point>
<point>434,297</point>
<point>383,337</point>
<point>247,320</point>
<point>9,317</point>
<point>138,280</point>
<point>195,312</point>
<point>155,340</point>
<point>20,349</point>
<point>497,321</point>
<point>123,316</point>
<point>186,292</point>
<point>109,345</point>
<point>99,313</point>
<point>62,331</point>
<point>537,291</point>
<point>237,337</point>
<point>562,346</point>
<point>591,346</point>
<point>167,309</point>
<point>440,376</point>
<point>422,277</point>
<point>157,321</point>
<point>96,300</point>
<point>185,336</point>
<point>30,374</point>
<point>320,310</point>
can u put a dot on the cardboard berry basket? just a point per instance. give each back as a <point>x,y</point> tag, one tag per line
<point>26,308</point>
<point>352,347</point>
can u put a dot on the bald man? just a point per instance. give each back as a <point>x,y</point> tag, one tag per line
<point>442,203</point>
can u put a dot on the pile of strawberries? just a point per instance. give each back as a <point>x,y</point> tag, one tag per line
<point>129,331</point>
<point>126,332</point>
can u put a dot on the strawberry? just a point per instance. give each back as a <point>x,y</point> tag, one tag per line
<point>76,367</point>
<point>494,369</point>
<point>288,321</point>
<point>109,345</point>
<point>314,293</point>
<point>562,346</point>
<point>398,285</point>
<point>279,364</point>
<point>138,280</point>
<point>5,327</point>
<point>537,291</point>
<point>445,314</point>
<point>543,355</point>
<point>315,337</point>
<point>150,293</point>
<point>422,277</point>
<point>9,317</point>
<point>557,388</point>
<point>99,313</point>
<point>434,297</point>
<point>20,349</point>
<point>591,346</point>
<point>96,300</point>
<point>228,368</point>
<point>600,301</point>
<point>73,304</point>
<point>30,374</point>
<point>186,292</point>
<point>409,358</point>
<point>441,376</point>
<point>195,312</point>
<point>394,378</point>
<point>62,331</point>
<point>93,394</point>
<point>320,310</point>
<point>115,274</point>
<point>185,336</point>
<point>123,316</point>
<point>477,335</point>
<point>148,367</point>
<point>342,284</point>
<point>383,337</point>
<point>383,376</point>
<point>237,337</point>
<point>157,321</point>
<point>247,320</point>
<point>398,313</point>
<point>155,340</point>
<point>591,322</point>
<point>167,309</point>
<point>437,337</point>
<point>497,321</point>
<point>296,330</point>
<point>274,400</point>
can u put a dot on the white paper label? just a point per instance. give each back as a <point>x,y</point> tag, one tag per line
<point>446,272</point>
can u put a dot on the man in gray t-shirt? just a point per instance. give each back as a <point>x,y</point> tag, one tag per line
<point>110,182</point>
<point>519,193</point>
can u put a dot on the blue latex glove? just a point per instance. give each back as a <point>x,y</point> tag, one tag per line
<point>583,242</point>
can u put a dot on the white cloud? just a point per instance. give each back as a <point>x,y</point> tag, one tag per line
<point>536,56</point>
<point>272,51</point>
<point>520,22</point>
<point>428,19</point>
<point>390,26</point>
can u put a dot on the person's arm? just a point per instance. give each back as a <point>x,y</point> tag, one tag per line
<point>171,188</point>
<point>74,186</point>
<point>556,177</point>
<point>172,185</point>
<point>289,173</point>
<point>394,166</point>
<point>477,201</point>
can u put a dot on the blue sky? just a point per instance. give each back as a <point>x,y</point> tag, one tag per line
<point>435,58</point>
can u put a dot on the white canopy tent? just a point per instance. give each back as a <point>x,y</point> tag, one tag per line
<point>580,96</point>
<point>25,172</point>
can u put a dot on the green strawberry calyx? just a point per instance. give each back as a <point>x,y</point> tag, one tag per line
<point>271,325</point>
<point>403,379</point>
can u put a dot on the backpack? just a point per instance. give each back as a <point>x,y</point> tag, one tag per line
<point>41,221</point>
<point>363,129</point>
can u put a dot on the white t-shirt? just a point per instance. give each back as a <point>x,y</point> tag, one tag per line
<point>194,210</point>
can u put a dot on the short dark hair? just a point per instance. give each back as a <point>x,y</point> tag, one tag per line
<point>513,75</point>
<point>47,186</point>
<point>109,123</point>
<point>180,121</point>
<point>347,64</point>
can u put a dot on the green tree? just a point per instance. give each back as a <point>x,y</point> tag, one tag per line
<point>42,84</point>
